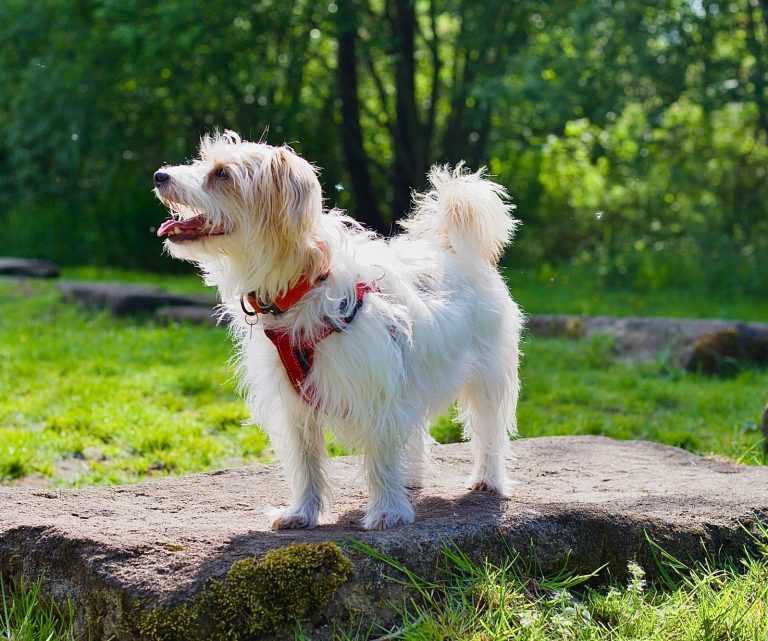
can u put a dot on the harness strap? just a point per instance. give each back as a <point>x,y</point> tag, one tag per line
<point>282,303</point>
<point>298,353</point>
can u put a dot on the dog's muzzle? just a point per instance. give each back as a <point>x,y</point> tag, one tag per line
<point>161,177</point>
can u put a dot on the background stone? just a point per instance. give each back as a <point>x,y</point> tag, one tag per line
<point>711,346</point>
<point>31,267</point>
<point>127,300</point>
<point>188,314</point>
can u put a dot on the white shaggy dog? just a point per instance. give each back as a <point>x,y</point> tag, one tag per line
<point>339,328</point>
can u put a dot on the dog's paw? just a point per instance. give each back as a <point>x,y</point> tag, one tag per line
<point>487,485</point>
<point>289,519</point>
<point>383,519</point>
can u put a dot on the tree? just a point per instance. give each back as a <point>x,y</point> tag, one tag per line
<point>432,73</point>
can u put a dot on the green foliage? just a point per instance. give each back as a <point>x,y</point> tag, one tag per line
<point>681,223</point>
<point>633,136</point>
<point>107,91</point>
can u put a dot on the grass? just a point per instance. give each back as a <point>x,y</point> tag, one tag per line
<point>548,290</point>
<point>580,388</point>
<point>26,616</point>
<point>89,399</point>
<point>481,601</point>
<point>575,290</point>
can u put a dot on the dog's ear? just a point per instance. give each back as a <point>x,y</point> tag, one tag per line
<point>296,187</point>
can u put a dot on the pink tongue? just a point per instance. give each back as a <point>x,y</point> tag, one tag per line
<point>172,223</point>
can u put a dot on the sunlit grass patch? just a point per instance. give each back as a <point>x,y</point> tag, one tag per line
<point>512,600</point>
<point>86,398</point>
<point>568,389</point>
<point>148,399</point>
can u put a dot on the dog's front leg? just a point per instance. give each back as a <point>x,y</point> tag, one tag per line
<point>301,448</point>
<point>388,500</point>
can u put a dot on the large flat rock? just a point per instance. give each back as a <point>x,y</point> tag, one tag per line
<point>585,500</point>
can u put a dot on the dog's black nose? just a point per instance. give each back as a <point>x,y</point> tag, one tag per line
<point>161,177</point>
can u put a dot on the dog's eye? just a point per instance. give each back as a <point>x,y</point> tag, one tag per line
<point>221,173</point>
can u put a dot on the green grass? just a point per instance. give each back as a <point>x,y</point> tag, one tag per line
<point>86,399</point>
<point>26,616</point>
<point>575,290</point>
<point>89,399</point>
<point>548,290</point>
<point>581,388</point>
<point>486,602</point>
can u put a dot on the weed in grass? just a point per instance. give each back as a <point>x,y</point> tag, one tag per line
<point>447,429</point>
<point>12,467</point>
<point>26,616</point>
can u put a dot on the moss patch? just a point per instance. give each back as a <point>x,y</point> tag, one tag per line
<point>257,597</point>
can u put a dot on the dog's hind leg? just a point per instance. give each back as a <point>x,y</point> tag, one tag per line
<point>301,446</point>
<point>487,407</point>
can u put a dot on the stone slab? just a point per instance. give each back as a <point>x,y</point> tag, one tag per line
<point>587,501</point>
<point>29,267</point>
<point>127,300</point>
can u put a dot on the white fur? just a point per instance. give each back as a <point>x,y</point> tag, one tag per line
<point>441,326</point>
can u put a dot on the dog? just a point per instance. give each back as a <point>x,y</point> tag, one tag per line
<point>337,327</point>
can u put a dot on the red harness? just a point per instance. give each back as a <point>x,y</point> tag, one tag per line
<point>298,354</point>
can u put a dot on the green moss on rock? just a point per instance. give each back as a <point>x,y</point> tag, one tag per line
<point>257,597</point>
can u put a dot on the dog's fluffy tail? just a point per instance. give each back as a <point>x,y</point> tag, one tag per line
<point>466,212</point>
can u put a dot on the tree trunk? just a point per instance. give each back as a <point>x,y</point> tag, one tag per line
<point>351,132</point>
<point>409,162</point>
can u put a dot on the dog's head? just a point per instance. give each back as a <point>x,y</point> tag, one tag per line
<point>240,199</point>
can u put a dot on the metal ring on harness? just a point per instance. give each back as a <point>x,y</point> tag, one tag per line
<point>246,311</point>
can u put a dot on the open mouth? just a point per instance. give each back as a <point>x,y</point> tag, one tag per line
<point>189,229</point>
